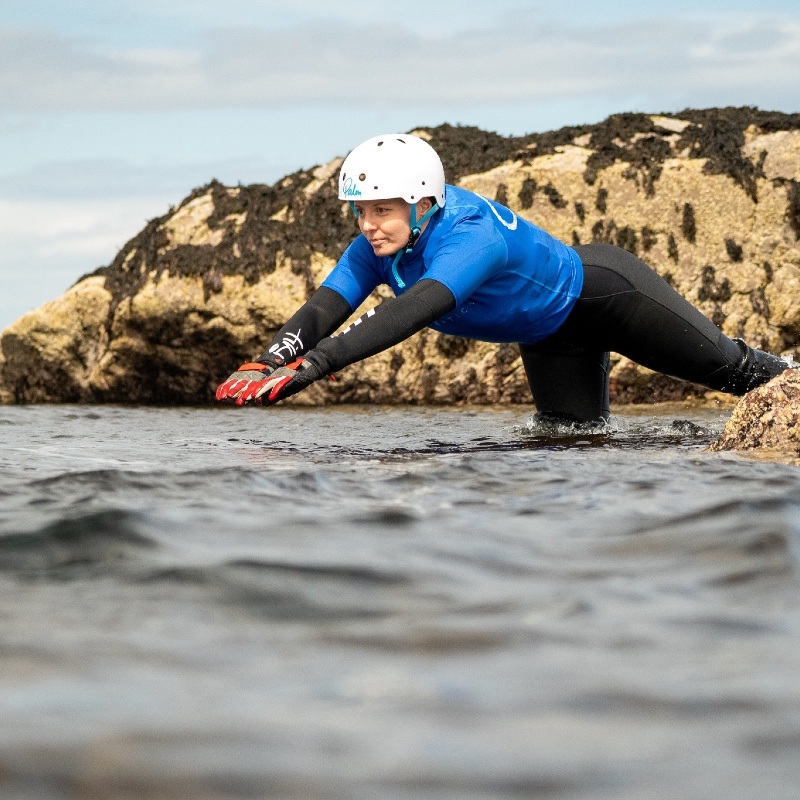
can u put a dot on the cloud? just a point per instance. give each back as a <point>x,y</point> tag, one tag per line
<point>374,66</point>
<point>83,180</point>
<point>93,230</point>
<point>47,245</point>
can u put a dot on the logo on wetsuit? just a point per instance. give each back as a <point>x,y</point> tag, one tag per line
<point>290,344</point>
<point>512,226</point>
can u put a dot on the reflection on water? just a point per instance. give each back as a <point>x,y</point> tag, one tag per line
<point>393,603</point>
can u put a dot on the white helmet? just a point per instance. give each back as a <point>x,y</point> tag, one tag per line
<point>393,165</point>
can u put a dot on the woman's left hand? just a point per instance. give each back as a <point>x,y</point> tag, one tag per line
<point>244,378</point>
<point>282,383</point>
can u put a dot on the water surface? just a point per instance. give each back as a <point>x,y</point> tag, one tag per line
<point>393,603</point>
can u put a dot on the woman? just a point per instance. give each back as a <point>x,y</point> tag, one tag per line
<point>468,266</point>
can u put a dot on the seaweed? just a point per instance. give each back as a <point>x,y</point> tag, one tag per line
<point>646,159</point>
<point>648,238</point>
<point>688,223</point>
<point>672,248</point>
<point>717,135</point>
<point>527,193</point>
<point>627,240</point>
<point>759,303</point>
<point>554,196</point>
<point>711,289</point>
<point>734,250</point>
<point>286,219</point>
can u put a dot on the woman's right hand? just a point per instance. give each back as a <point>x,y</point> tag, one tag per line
<point>253,372</point>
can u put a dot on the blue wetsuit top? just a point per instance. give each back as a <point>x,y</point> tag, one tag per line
<point>512,281</point>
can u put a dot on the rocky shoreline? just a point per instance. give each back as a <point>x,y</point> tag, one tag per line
<point>710,198</point>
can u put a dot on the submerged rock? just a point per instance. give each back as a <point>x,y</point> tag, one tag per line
<point>766,421</point>
<point>711,199</point>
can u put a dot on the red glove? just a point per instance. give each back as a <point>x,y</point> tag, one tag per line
<point>245,376</point>
<point>282,383</point>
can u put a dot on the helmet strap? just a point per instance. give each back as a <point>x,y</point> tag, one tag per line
<point>416,232</point>
<point>416,226</point>
<point>400,282</point>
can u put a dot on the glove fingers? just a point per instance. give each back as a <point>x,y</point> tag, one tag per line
<point>250,392</point>
<point>252,371</point>
<point>269,385</point>
<point>230,389</point>
<point>276,388</point>
<point>258,386</point>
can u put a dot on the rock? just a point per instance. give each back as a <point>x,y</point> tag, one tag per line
<point>711,199</point>
<point>766,421</point>
<point>56,353</point>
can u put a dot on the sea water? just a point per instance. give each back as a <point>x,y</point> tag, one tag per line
<point>362,602</point>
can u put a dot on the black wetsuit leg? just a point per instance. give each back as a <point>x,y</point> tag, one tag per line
<point>627,308</point>
<point>567,381</point>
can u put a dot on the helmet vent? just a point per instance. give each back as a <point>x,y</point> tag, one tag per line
<point>380,144</point>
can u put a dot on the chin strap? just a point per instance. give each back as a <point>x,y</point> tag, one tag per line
<point>416,232</point>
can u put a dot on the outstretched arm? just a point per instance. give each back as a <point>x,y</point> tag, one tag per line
<point>385,325</point>
<point>324,312</point>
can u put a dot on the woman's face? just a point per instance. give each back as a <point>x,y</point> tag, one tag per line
<point>386,224</point>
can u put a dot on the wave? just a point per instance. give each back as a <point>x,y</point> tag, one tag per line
<point>90,543</point>
<point>721,544</point>
<point>283,591</point>
<point>135,549</point>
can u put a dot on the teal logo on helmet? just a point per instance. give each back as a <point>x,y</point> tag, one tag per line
<point>349,188</point>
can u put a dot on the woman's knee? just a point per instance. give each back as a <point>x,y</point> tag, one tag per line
<point>567,381</point>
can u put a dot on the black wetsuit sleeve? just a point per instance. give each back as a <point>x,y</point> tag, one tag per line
<point>385,325</point>
<point>322,314</point>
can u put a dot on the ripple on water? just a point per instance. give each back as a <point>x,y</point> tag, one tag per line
<point>404,603</point>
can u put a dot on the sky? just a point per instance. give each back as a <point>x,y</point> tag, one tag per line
<point>111,111</point>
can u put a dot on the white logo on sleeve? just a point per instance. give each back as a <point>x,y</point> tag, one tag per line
<point>288,347</point>
<point>512,226</point>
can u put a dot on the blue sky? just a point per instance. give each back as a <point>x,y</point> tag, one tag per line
<point>110,112</point>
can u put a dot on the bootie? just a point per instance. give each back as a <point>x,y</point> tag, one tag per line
<point>754,368</point>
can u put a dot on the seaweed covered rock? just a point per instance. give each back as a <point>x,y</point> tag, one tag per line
<point>64,341</point>
<point>766,421</point>
<point>711,199</point>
